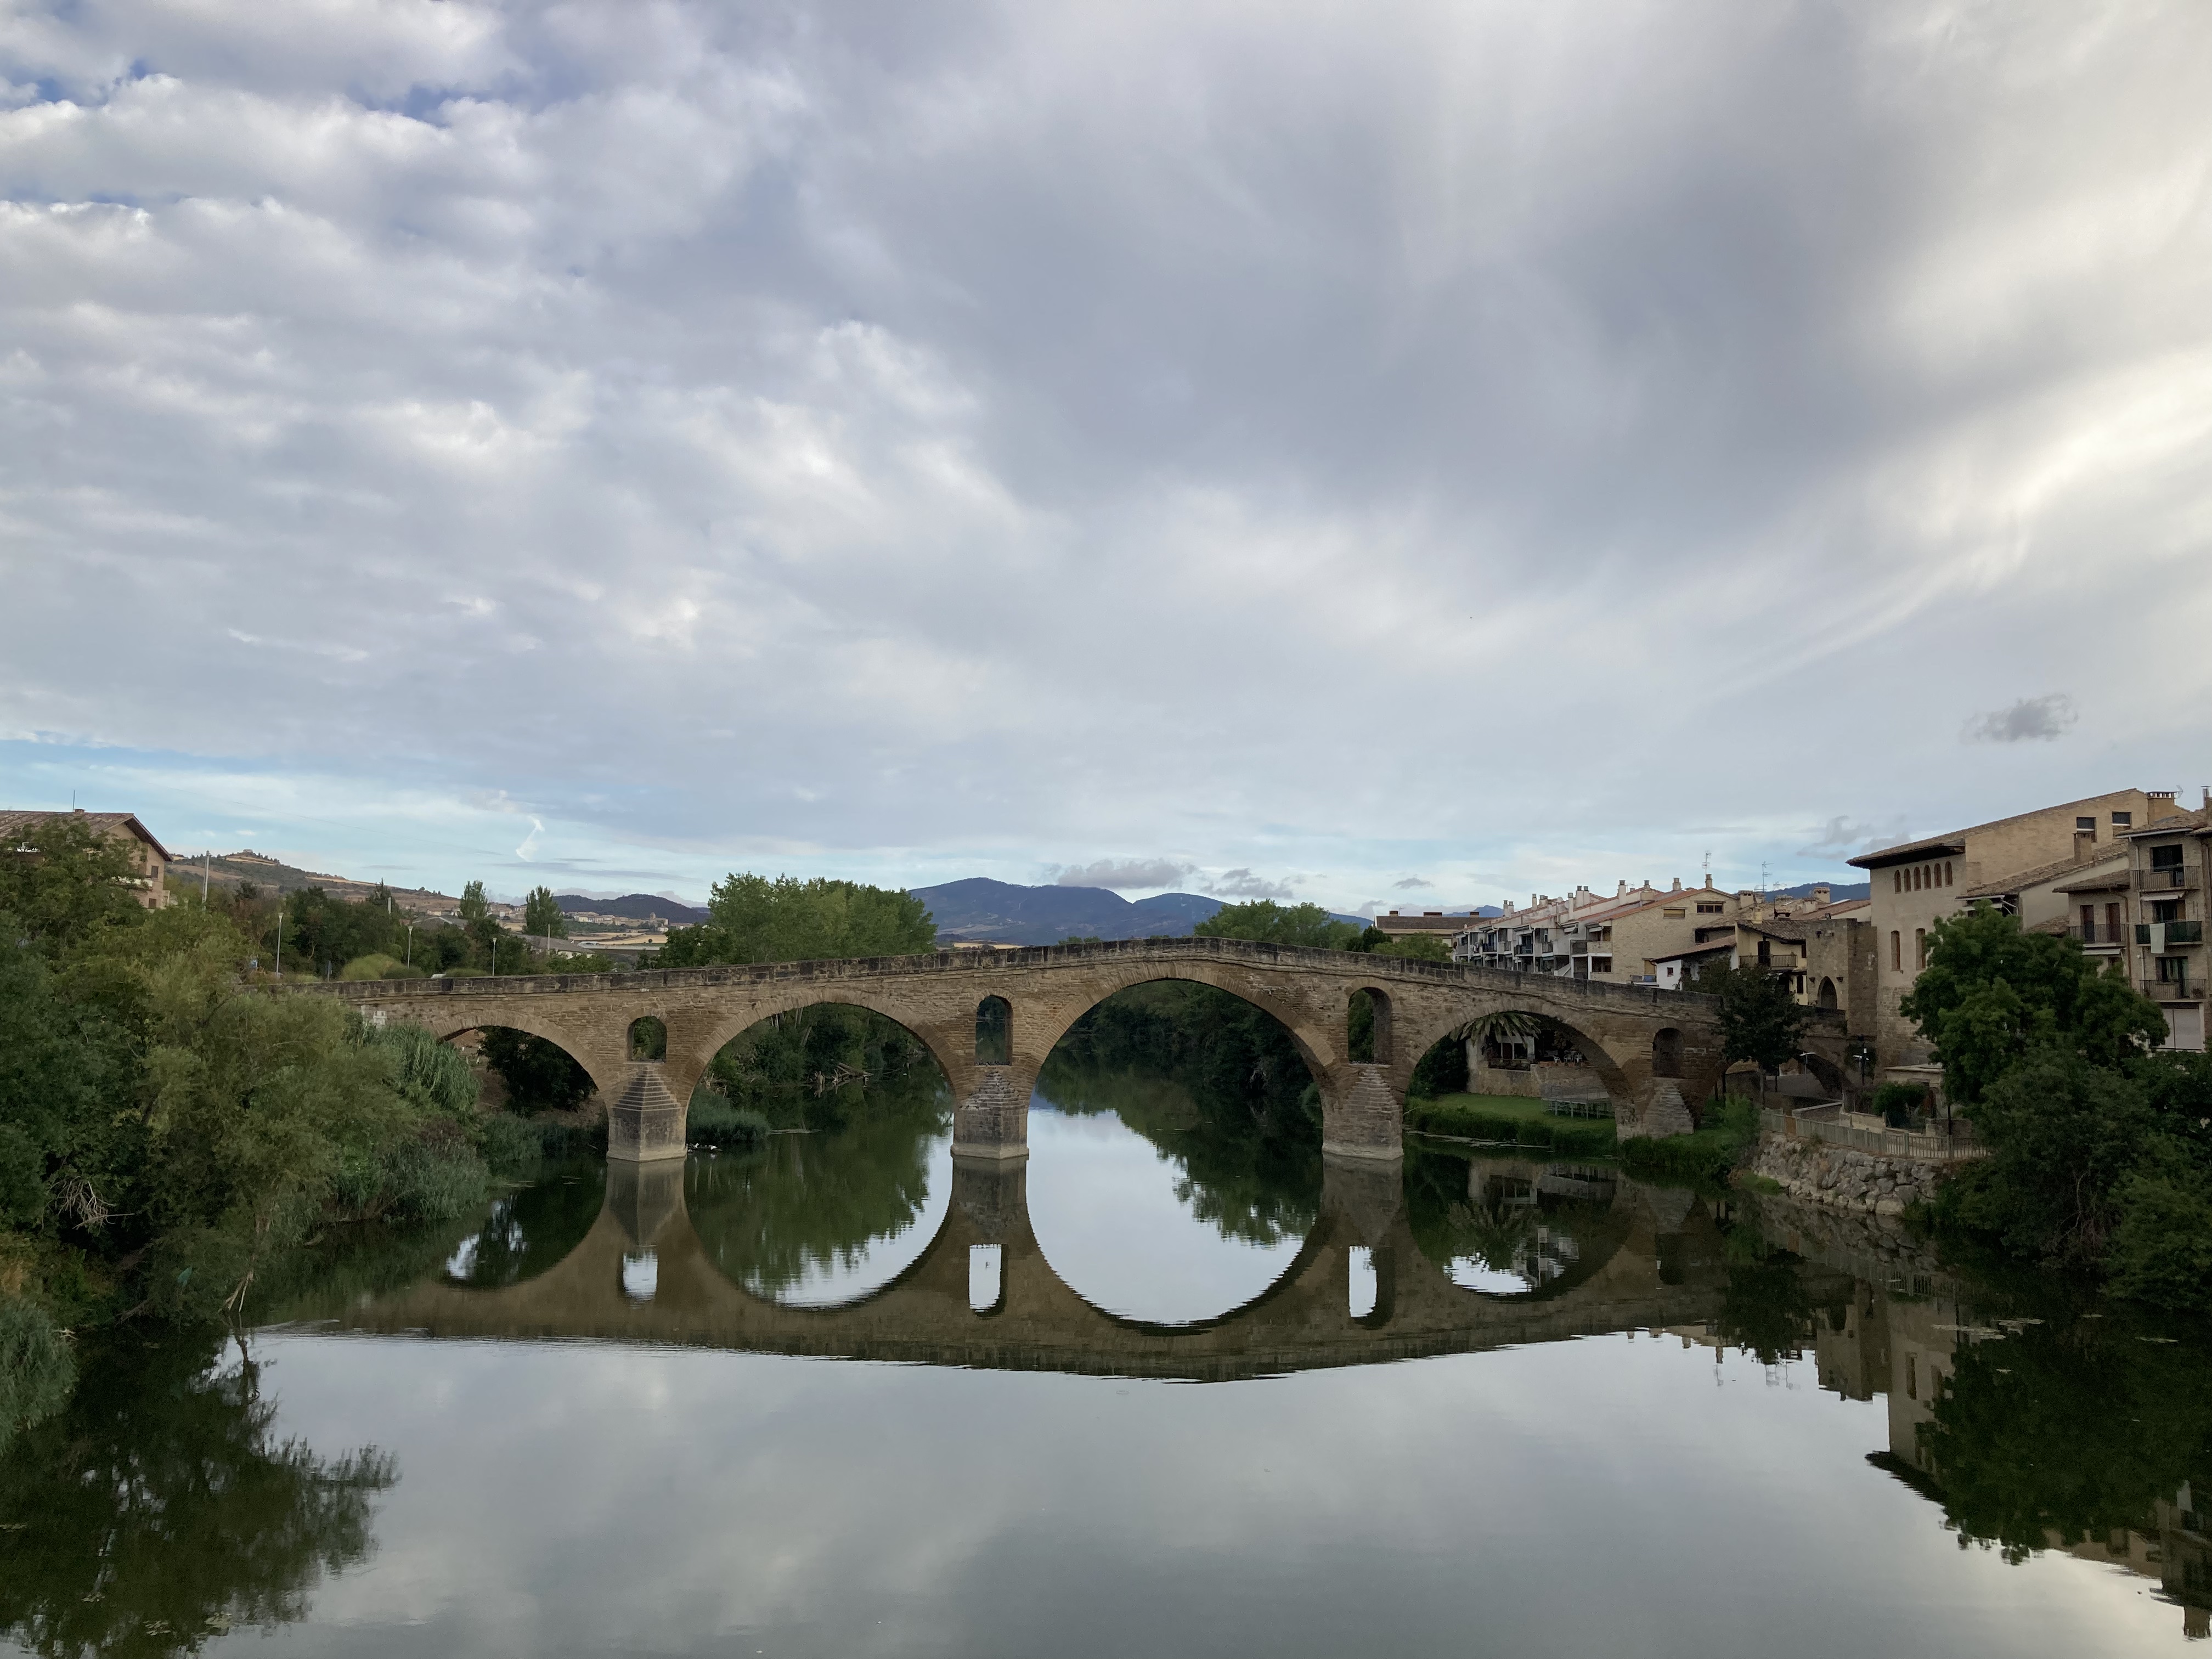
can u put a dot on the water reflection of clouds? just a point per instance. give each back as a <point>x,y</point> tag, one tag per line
<point>1110,1213</point>
<point>1565,1499</point>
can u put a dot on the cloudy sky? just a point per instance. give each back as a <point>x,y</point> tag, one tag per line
<point>1372,452</point>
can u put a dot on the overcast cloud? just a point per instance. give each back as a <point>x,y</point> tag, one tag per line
<point>615,443</point>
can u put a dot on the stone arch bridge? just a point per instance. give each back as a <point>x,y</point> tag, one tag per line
<point>991,1017</point>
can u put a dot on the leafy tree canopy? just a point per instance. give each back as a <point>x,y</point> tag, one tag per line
<point>1271,923</point>
<point>753,919</point>
<point>62,881</point>
<point>1991,993</point>
<point>1759,1020</point>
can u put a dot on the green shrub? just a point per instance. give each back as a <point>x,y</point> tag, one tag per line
<point>434,1178</point>
<point>377,965</point>
<point>1707,1157</point>
<point>2161,1251</point>
<point>426,1071</point>
<point>713,1122</point>
<point>37,1370</point>
<point>1897,1102</point>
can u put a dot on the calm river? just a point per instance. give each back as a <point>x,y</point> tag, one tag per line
<point>1162,1390</point>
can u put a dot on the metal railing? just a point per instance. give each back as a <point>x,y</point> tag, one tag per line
<point>2173,990</point>
<point>1882,1143</point>
<point>2177,932</point>
<point>2166,876</point>
<point>2100,932</point>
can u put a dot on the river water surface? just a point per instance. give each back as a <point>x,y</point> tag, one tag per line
<point>1160,1391</point>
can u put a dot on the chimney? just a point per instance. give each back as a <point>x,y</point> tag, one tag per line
<point>2085,843</point>
<point>1823,895</point>
<point>1621,890</point>
<point>1678,885</point>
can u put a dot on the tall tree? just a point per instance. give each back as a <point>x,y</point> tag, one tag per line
<point>541,916</point>
<point>1759,1020</point>
<point>1992,993</point>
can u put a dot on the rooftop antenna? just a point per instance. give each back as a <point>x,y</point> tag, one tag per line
<point>1709,866</point>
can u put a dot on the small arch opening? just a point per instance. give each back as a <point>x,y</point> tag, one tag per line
<point>1666,1053</point>
<point>986,1277</point>
<point>1827,996</point>
<point>1367,1026</point>
<point>648,1039</point>
<point>995,1032</point>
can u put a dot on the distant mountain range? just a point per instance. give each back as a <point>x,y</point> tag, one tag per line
<point>633,907</point>
<point>1837,893</point>
<point>985,912</point>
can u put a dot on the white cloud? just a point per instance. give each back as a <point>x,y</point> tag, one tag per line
<point>1136,874</point>
<point>926,441</point>
<point>1244,884</point>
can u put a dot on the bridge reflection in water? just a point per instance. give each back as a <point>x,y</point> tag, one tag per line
<point>982,1294</point>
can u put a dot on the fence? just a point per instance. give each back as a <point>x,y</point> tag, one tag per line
<point>1861,1134</point>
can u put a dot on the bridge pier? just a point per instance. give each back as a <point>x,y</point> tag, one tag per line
<point>645,1122</point>
<point>994,1122</point>
<point>1362,1115</point>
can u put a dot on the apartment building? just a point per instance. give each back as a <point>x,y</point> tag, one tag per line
<point>2169,876</point>
<point>1589,935</point>
<point>152,859</point>
<point>1918,883</point>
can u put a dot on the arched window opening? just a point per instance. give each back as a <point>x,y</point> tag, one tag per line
<point>995,1032</point>
<point>1827,993</point>
<point>648,1039</point>
<point>1666,1053</point>
<point>986,1277</point>
<point>1367,1023</point>
<point>1896,951</point>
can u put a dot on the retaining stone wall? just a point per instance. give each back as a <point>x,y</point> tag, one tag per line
<point>1842,1178</point>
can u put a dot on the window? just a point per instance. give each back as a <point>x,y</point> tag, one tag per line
<point>995,1032</point>
<point>1920,948</point>
<point>1708,909</point>
<point>2123,820</point>
<point>1897,951</point>
<point>2166,858</point>
<point>1767,953</point>
<point>2166,909</point>
<point>1947,874</point>
<point>1897,881</point>
<point>2088,825</point>
<point>1601,964</point>
<point>1676,912</point>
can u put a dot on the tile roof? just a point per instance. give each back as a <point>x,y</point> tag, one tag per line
<point>2041,874</point>
<point>14,821</point>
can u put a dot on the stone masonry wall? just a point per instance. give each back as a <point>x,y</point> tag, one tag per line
<point>1842,1178</point>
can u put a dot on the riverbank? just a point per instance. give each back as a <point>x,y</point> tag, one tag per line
<point>1842,1178</point>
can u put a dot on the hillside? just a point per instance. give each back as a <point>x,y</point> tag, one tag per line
<point>269,875</point>
<point>633,907</point>
<point>981,911</point>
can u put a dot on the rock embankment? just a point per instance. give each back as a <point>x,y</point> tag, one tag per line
<point>1839,1177</point>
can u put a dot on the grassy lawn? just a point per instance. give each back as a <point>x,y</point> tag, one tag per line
<point>1518,1107</point>
<point>1510,1118</point>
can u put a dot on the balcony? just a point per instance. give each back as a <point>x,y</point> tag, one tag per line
<point>2173,990</point>
<point>2164,878</point>
<point>2177,932</point>
<point>2102,935</point>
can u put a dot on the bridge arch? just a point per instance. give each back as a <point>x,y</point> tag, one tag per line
<point>603,1070</point>
<point>1048,1024</point>
<point>693,1041</point>
<point>1617,1073</point>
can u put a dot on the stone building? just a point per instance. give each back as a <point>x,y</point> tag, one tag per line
<point>1586,935</point>
<point>151,858</point>
<point>1918,883</point>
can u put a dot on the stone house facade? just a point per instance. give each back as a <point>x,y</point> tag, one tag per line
<point>152,859</point>
<point>1919,883</point>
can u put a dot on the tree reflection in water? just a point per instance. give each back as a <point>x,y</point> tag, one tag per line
<point>804,1215</point>
<point>1508,1226</point>
<point>158,1510</point>
<point>531,1229</point>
